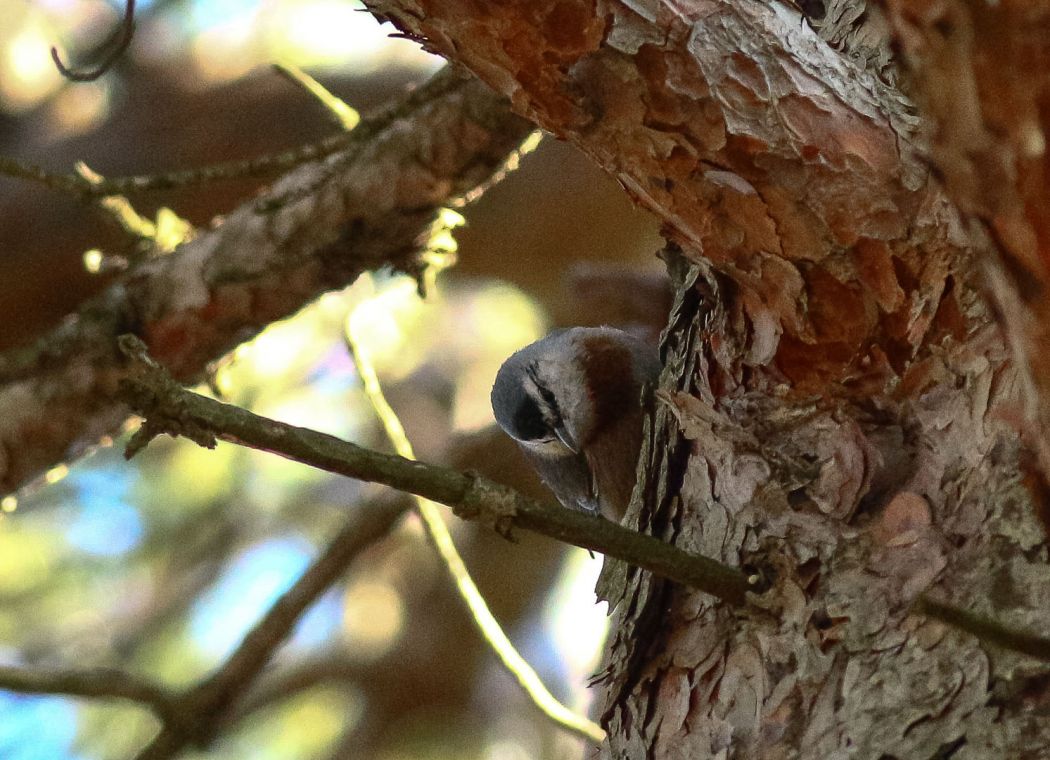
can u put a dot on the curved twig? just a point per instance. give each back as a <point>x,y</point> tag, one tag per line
<point>123,36</point>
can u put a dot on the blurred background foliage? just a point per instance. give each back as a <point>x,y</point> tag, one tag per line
<point>159,566</point>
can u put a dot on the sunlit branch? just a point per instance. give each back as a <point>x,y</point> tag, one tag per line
<point>344,114</point>
<point>136,226</point>
<point>314,231</point>
<point>174,410</point>
<point>99,683</point>
<point>171,409</point>
<point>491,631</point>
<point>201,710</point>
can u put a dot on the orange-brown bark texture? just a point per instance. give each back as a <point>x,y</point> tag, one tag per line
<point>757,144</point>
<point>838,412</point>
<point>981,75</point>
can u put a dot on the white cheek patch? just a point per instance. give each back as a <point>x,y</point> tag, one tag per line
<point>566,379</point>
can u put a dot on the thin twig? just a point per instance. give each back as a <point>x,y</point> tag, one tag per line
<point>169,408</point>
<point>345,115</point>
<point>986,629</point>
<point>491,631</point>
<point>100,683</point>
<point>203,708</point>
<point>228,170</point>
<point>437,87</point>
<point>126,32</point>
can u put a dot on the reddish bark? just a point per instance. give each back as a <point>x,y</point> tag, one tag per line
<point>838,401</point>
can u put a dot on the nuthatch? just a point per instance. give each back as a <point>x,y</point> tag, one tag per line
<point>573,402</point>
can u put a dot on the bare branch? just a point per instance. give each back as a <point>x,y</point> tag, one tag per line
<point>202,710</point>
<point>985,629</point>
<point>101,683</point>
<point>441,539</point>
<point>249,167</point>
<point>171,409</point>
<point>341,112</point>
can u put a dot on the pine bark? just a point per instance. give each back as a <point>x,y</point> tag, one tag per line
<point>839,410</point>
<point>369,206</point>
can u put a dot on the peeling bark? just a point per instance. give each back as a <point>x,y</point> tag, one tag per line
<point>855,507</point>
<point>981,73</point>
<point>838,405</point>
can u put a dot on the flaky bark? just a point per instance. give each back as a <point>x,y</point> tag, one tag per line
<point>981,73</point>
<point>837,402</point>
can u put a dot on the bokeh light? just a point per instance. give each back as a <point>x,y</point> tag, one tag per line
<point>106,522</point>
<point>575,620</point>
<point>160,566</point>
<point>226,39</point>
<point>37,728</point>
<point>303,728</point>
<point>250,586</point>
<point>373,618</point>
<point>27,74</point>
<point>27,556</point>
<point>75,110</point>
<point>159,513</point>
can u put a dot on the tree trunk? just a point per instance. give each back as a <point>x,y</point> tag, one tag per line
<point>838,411</point>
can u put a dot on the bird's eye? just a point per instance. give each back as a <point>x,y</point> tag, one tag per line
<point>529,424</point>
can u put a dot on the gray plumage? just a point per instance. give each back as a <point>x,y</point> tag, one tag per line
<point>573,403</point>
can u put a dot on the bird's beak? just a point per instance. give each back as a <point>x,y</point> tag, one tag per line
<point>566,438</point>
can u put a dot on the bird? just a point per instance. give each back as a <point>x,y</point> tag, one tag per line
<point>574,403</point>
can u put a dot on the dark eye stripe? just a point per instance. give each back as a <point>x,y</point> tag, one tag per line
<point>546,395</point>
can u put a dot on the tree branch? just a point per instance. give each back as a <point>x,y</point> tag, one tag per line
<point>118,45</point>
<point>101,683</point>
<point>250,167</point>
<point>441,539</point>
<point>985,629</point>
<point>314,231</point>
<point>169,408</point>
<point>192,717</point>
<point>200,712</point>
